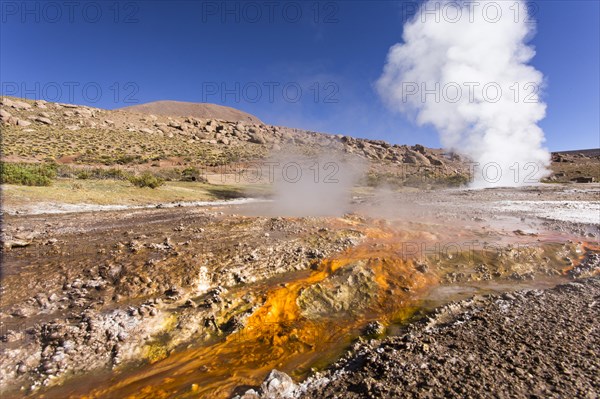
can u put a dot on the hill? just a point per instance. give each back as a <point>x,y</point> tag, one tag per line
<point>196,110</point>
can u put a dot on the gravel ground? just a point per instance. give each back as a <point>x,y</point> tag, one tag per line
<point>527,344</point>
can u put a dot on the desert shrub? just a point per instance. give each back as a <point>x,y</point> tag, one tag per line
<point>146,179</point>
<point>71,172</point>
<point>373,179</point>
<point>27,174</point>
<point>455,180</point>
<point>168,174</point>
<point>110,173</point>
<point>192,174</point>
<point>128,159</point>
<point>83,174</point>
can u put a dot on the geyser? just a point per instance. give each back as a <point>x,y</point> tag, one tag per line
<point>463,68</point>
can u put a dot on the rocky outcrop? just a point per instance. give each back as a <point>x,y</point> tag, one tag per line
<point>243,138</point>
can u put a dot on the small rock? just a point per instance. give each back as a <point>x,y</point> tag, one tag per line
<point>374,329</point>
<point>278,385</point>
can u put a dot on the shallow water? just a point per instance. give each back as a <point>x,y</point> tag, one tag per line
<point>296,332</point>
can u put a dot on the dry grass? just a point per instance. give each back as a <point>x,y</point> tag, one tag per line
<point>119,192</point>
<point>116,147</point>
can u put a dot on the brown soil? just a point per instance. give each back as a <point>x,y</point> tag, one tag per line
<point>197,110</point>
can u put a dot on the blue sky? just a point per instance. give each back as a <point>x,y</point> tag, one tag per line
<point>303,64</point>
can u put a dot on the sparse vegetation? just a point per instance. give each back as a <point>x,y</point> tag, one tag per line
<point>146,179</point>
<point>27,174</point>
<point>190,174</point>
<point>93,173</point>
<point>455,180</point>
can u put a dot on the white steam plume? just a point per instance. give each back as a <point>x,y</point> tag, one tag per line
<point>462,67</point>
<point>319,184</point>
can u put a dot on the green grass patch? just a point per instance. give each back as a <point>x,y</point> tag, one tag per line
<point>146,179</point>
<point>27,174</point>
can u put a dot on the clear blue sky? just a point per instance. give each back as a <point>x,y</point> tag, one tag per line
<point>142,51</point>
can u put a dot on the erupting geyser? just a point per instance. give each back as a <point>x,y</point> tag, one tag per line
<point>463,68</point>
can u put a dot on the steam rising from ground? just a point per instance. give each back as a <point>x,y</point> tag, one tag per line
<point>318,185</point>
<point>463,69</point>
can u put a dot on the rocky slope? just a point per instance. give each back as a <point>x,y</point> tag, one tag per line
<point>42,131</point>
<point>164,134</point>
<point>196,110</point>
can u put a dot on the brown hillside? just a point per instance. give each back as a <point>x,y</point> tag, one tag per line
<point>197,110</point>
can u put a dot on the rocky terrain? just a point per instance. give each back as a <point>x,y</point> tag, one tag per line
<point>532,343</point>
<point>164,298</point>
<point>167,134</point>
<point>38,131</point>
<point>576,166</point>
<point>118,294</point>
<point>89,295</point>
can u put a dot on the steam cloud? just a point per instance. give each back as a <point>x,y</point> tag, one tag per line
<point>463,69</point>
<point>319,185</point>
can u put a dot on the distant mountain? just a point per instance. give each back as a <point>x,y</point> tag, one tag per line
<point>592,152</point>
<point>197,110</point>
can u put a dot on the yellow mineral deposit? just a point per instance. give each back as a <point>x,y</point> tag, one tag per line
<point>278,335</point>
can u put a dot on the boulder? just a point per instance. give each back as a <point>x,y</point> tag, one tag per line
<point>418,157</point>
<point>84,112</point>
<point>419,148</point>
<point>4,115</point>
<point>7,102</point>
<point>21,105</point>
<point>257,138</point>
<point>409,159</point>
<point>175,125</point>
<point>434,161</point>
<point>43,120</point>
<point>210,128</point>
